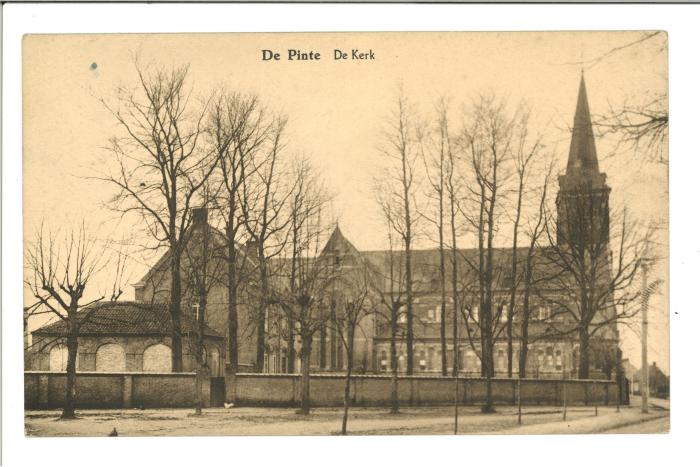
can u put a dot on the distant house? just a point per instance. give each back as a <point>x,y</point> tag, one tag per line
<point>659,382</point>
<point>123,336</point>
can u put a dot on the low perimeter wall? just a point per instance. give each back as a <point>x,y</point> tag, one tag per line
<point>113,390</point>
<point>126,390</point>
<point>375,390</point>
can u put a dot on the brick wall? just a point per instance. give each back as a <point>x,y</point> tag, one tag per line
<point>125,390</point>
<point>113,390</point>
<point>327,390</point>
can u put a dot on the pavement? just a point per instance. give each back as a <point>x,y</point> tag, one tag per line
<point>362,421</point>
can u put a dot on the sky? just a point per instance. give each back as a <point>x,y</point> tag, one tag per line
<point>337,109</point>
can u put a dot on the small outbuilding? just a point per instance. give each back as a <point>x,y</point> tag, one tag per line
<point>125,337</point>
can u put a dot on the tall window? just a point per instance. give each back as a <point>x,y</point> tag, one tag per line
<point>110,358</point>
<point>501,359</point>
<point>383,362</point>
<point>215,365</point>
<point>540,358</point>
<point>558,360</point>
<point>543,313</point>
<point>471,362</point>
<point>421,360</point>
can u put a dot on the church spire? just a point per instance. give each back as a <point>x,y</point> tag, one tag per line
<point>582,204</point>
<point>582,154</point>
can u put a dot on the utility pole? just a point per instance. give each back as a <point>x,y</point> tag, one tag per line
<point>645,324</point>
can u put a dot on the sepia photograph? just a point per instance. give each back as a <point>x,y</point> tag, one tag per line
<point>345,233</point>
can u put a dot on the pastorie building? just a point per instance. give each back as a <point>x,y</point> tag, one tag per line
<point>134,336</point>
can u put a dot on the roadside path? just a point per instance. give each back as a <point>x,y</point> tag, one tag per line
<point>362,421</point>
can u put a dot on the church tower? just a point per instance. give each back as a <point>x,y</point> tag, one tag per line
<point>583,214</point>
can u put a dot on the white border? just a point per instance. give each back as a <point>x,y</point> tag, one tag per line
<point>679,20</point>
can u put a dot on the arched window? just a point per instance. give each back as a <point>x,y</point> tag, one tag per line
<point>501,360</point>
<point>157,359</point>
<point>58,358</point>
<point>110,358</point>
<point>214,365</point>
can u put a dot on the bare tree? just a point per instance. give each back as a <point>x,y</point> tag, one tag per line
<point>434,150</point>
<point>401,158</point>
<point>160,167</point>
<point>238,129</point>
<point>264,197</point>
<point>390,289</point>
<point>529,280</point>
<point>205,270</point>
<point>487,138</point>
<point>597,257</point>
<point>304,279</point>
<point>524,153</point>
<point>639,123</point>
<point>452,187</point>
<point>61,276</point>
<point>641,126</point>
<point>356,299</point>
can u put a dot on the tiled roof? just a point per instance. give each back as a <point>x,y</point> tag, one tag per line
<point>426,265</point>
<point>126,318</point>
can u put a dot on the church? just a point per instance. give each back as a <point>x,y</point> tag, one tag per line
<point>133,336</point>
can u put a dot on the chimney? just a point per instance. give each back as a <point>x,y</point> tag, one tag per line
<point>199,216</point>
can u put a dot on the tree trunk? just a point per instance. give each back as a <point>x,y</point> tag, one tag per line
<point>487,358</point>
<point>291,354</point>
<point>306,341</point>
<point>333,341</point>
<point>262,313</point>
<point>443,296</point>
<point>348,374</point>
<point>510,342</point>
<point>522,364</point>
<point>260,342</point>
<point>69,404</point>
<point>394,361</point>
<point>524,333</point>
<point>583,361</point>
<point>232,307</point>
<point>514,271</point>
<point>409,313</point>
<point>175,310</point>
<point>200,355</point>
<point>443,340</point>
<point>455,342</point>
<point>322,347</point>
<point>199,381</point>
<point>488,406</point>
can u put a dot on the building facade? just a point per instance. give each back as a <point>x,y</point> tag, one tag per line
<point>550,353</point>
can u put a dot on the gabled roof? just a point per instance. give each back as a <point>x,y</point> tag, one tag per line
<point>219,242</point>
<point>126,318</point>
<point>338,243</point>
